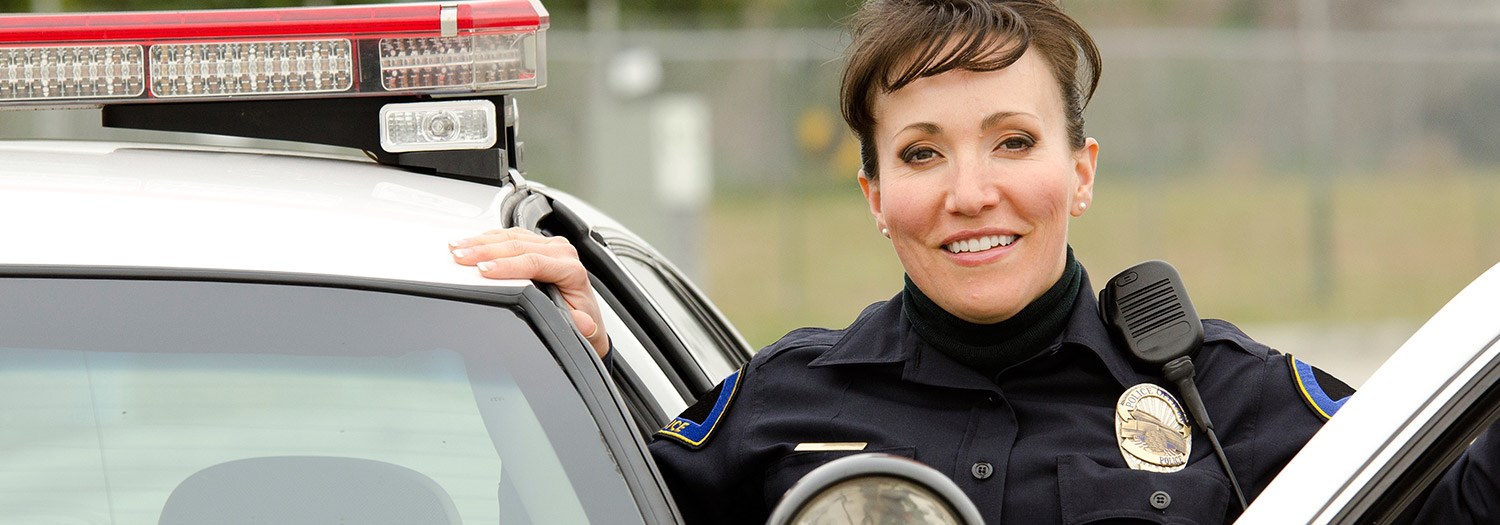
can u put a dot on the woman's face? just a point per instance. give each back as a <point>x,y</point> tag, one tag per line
<point>977,183</point>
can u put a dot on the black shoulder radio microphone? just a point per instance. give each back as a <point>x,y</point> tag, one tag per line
<point>1148,311</point>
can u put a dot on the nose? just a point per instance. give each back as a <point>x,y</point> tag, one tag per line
<point>973,188</point>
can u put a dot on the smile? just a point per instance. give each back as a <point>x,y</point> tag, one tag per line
<point>979,244</point>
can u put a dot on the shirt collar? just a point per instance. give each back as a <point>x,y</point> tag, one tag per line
<point>882,335</point>
<point>1086,329</point>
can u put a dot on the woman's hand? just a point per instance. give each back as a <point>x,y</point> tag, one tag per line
<point>518,253</point>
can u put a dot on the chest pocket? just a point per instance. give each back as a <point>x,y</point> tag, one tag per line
<point>785,472</point>
<point>1093,493</point>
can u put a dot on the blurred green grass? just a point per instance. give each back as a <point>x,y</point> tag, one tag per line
<point>1396,246</point>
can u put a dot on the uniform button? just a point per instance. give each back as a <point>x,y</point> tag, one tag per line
<point>1161,500</point>
<point>994,399</point>
<point>982,470</point>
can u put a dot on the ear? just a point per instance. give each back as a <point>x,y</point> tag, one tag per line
<point>871,189</point>
<point>1085,161</point>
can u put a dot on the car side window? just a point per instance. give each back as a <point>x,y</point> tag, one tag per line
<point>641,370</point>
<point>711,353</point>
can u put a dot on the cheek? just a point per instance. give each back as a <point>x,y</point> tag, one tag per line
<point>905,206</point>
<point>1047,199</point>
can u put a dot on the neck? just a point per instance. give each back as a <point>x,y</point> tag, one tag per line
<point>991,348</point>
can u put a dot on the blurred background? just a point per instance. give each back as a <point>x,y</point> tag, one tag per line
<point>1324,173</point>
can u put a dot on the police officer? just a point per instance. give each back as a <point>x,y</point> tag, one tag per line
<point>1021,414</point>
<point>992,365</point>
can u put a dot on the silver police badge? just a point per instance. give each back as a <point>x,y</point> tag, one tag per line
<point>1152,429</point>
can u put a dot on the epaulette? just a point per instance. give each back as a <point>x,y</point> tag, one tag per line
<point>1219,330</point>
<point>1322,392</point>
<point>697,423</point>
<point>799,339</point>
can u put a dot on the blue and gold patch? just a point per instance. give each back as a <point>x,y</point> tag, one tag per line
<point>697,423</point>
<point>1322,392</point>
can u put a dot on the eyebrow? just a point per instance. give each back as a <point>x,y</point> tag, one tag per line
<point>924,127</point>
<point>989,122</point>
<point>996,118</point>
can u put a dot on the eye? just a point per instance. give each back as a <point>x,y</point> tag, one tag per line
<point>1017,143</point>
<point>918,155</point>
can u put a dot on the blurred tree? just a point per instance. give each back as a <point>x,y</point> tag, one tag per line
<point>1469,119</point>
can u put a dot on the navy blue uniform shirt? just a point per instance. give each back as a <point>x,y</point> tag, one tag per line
<point>1034,445</point>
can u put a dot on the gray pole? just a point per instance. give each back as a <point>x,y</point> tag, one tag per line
<point>603,38</point>
<point>1317,126</point>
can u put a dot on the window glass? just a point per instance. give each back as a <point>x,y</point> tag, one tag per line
<point>688,326</point>
<point>123,399</point>
<point>629,349</point>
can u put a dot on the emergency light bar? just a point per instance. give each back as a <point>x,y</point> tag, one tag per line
<point>475,47</point>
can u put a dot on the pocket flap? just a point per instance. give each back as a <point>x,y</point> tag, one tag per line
<point>1091,492</point>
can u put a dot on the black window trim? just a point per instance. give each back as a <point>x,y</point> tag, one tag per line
<point>599,261</point>
<point>573,354</point>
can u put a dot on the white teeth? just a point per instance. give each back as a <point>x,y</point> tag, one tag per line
<point>980,244</point>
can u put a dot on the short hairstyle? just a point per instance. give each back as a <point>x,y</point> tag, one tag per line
<point>896,42</point>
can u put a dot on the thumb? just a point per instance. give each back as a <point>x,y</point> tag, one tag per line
<point>592,331</point>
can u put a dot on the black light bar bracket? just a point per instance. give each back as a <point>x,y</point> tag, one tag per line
<point>347,122</point>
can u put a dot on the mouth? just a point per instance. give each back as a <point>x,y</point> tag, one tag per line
<point>980,244</point>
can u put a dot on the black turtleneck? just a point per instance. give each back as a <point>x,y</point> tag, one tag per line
<point>991,348</point>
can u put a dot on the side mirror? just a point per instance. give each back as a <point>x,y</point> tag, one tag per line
<point>874,488</point>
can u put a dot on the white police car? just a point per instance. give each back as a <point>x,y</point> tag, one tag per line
<point>214,335</point>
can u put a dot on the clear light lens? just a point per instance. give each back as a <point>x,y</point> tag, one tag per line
<point>71,72</point>
<point>460,62</point>
<point>251,68</point>
<point>431,126</point>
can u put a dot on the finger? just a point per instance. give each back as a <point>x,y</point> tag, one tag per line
<point>492,236</point>
<point>568,273</point>
<point>592,331</point>
<point>559,248</point>
<point>585,323</point>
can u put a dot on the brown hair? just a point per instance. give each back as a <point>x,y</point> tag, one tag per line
<point>896,42</point>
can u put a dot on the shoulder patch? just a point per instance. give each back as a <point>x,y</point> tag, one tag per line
<point>696,424</point>
<point>1322,392</point>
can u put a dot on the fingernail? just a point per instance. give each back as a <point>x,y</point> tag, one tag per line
<point>486,266</point>
<point>458,243</point>
<point>461,253</point>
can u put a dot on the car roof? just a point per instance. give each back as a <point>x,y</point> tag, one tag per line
<point>76,203</point>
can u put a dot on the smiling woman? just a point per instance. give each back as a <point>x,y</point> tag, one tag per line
<point>993,365</point>
<point>977,185</point>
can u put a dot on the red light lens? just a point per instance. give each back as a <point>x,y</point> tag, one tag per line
<point>460,47</point>
<point>362,21</point>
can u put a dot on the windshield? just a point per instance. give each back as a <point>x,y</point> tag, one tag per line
<point>145,402</point>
